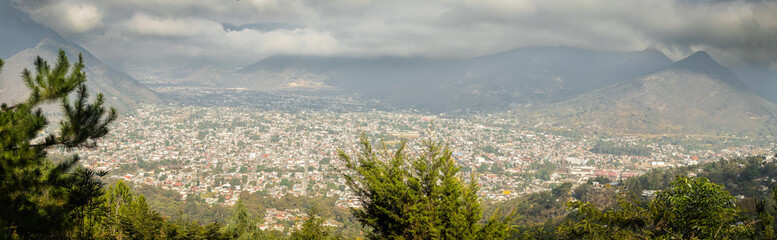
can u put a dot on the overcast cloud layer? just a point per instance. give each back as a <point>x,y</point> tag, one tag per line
<point>228,33</point>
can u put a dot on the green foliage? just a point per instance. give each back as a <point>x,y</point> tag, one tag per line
<point>693,208</point>
<point>600,180</point>
<point>738,176</point>
<point>129,215</point>
<point>534,208</point>
<point>85,197</point>
<point>764,227</point>
<point>489,149</point>
<point>483,168</point>
<point>629,221</point>
<point>286,183</point>
<point>313,229</point>
<point>420,198</point>
<point>604,197</point>
<point>83,121</point>
<point>543,170</point>
<point>40,198</point>
<point>561,192</point>
<point>606,147</point>
<point>241,225</point>
<point>598,214</point>
<point>169,205</point>
<point>497,169</point>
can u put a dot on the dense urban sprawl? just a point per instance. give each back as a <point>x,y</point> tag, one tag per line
<point>215,153</point>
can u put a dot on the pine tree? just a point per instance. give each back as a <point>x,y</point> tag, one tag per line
<point>85,197</point>
<point>129,216</point>
<point>39,196</point>
<point>241,225</point>
<point>420,198</point>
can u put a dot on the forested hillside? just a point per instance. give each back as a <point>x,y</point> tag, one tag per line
<point>745,185</point>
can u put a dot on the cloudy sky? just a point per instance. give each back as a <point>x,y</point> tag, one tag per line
<point>228,33</point>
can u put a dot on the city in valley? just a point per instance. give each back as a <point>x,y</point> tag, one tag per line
<point>278,144</point>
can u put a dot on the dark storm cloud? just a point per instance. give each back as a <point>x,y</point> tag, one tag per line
<point>235,33</point>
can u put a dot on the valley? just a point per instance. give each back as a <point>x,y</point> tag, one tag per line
<point>276,145</point>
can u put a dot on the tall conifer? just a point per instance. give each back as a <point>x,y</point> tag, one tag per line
<point>416,198</point>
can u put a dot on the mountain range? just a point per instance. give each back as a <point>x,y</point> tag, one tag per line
<point>525,75</point>
<point>628,92</point>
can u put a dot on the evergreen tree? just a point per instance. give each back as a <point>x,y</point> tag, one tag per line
<point>241,225</point>
<point>420,198</point>
<point>129,216</point>
<point>40,198</point>
<point>313,229</point>
<point>764,228</point>
<point>85,196</point>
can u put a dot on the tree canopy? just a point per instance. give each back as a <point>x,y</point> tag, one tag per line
<point>403,197</point>
<point>693,208</point>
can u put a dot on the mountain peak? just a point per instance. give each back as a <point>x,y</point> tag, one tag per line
<point>700,56</point>
<point>699,59</point>
<point>702,62</point>
<point>50,44</point>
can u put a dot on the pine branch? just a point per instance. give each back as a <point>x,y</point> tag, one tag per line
<point>48,84</point>
<point>84,122</point>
